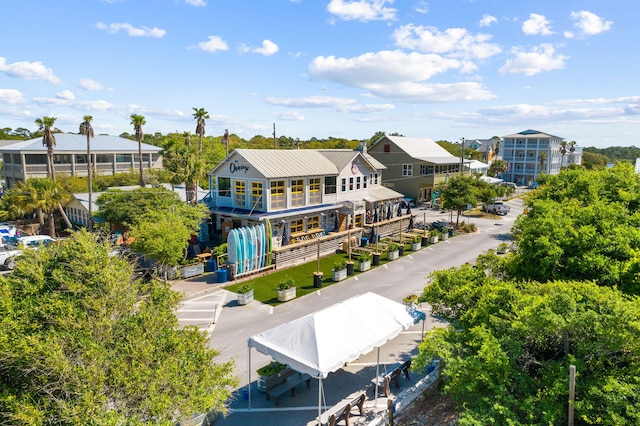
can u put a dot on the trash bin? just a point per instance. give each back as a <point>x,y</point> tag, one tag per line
<point>364,241</point>
<point>451,232</point>
<point>210,266</point>
<point>231,271</point>
<point>221,275</point>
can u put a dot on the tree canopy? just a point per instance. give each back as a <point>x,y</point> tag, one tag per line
<point>81,342</point>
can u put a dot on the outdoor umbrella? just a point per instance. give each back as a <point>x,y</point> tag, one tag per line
<point>389,212</point>
<point>408,209</point>
<point>375,216</point>
<point>411,222</point>
<point>337,224</point>
<point>285,234</point>
<point>399,210</point>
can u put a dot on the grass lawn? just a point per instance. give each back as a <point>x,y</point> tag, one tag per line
<point>265,287</point>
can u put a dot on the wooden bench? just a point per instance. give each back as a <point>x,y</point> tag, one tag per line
<point>275,380</point>
<point>393,375</point>
<point>290,385</point>
<point>342,410</point>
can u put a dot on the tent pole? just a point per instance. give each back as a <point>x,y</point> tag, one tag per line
<point>319,399</point>
<point>249,373</point>
<point>375,404</point>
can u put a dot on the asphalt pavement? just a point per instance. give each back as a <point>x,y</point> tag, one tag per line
<point>206,304</point>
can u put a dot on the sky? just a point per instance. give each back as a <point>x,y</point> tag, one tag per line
<point>439,69</point>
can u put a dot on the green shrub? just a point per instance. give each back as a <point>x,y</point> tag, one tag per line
<point>286,283</point>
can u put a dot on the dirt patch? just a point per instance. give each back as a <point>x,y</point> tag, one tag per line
<point>431,410</point>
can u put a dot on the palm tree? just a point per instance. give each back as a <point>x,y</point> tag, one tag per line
<point>542,157</point>
<point>86,129</point>
<point>41,195</point>
<point>45,125</point>
<point>572,149</point>
<point>563,152</point>
<point>185,166</point>
<point>138,121</point>
<point>200,114</point>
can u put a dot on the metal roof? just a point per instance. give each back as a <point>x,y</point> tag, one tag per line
<point>424,149</point>
<point>531,134</point>
<point>281,163</point>
<point>70,142</point>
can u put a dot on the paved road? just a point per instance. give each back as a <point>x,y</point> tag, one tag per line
<point>233,324</point>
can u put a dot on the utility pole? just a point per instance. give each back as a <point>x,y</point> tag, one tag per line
<point>274,136</point>
<point>461,156</point>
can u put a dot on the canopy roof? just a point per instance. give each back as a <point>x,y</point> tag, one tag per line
<point>317,344</point>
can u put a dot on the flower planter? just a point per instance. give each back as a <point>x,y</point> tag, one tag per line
<point>340,275</point>
<point>288,294</point>
<point>444,236</point>
<point>393,255</point>
<point>262,382</point>
<point>433,239</point>
<point>245,298</point>
<point>416,246</point>
<point>364,266</point>
<point>191,270</point>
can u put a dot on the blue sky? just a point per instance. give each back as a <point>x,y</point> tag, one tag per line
<point>442,69</point>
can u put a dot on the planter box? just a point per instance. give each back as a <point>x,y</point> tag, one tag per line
<point>416,246</point>
<point>288,294</point>
<point>433,239</point>
<point>444,236</point>
<point>393,255</point>
<point>191,270</point>
<point>245,298</point>
<point>340,275</point>
<point>364,266</point>
<point>262,382</point>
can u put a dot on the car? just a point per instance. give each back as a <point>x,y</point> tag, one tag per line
<point>9,230</point>
<point>34,241</point>
<point>496,207</point>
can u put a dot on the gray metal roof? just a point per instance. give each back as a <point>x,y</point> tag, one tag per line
<point>281,163</point>
<point>69,142</point>
<point>424,149</point>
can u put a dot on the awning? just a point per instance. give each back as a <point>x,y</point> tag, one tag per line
<point>382,193</point>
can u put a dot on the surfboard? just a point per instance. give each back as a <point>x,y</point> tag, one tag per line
<point>262,244</point>
<point>241,251</point>
<point>269,236</point>
<point>231,247</point>
<point>252,248</point>
<point>258,252</point>
<point>245,249</point>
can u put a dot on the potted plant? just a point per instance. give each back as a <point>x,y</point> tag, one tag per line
<point>410,300</point>
<point>365,261</point>
<point>445,234</point>
<point>340,270</point>
<point>245,293</point>
<point>416,243</point>
<point>270,370</point>
<point>286,289</point>
<point>393,252</point>
<point>433,236</point>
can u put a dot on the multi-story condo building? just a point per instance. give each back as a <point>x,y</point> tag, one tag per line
<point>529,153</point>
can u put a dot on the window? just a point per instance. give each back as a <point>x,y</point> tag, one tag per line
<point>81,158</point>
<point>351,184</point>
<point>123,158</point>
<point>256,196</point>
<point>240,193</point>
<point>375,178</point>
<point>224,187</point>
<point>297,226</point>
<point>358,182</point>
<point>313,222</point>
<point>62,158</point>
<point>315,196</point>
<point>407,170</point>
<point>297,192</point>
<point>387,147</point>
<point>330,185</point>
<point>35,159</point>
<point>343,185</point>
<point>278,195</point>
<point>364,181</point>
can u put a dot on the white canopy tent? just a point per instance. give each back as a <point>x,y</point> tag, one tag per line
<point>316,344</point>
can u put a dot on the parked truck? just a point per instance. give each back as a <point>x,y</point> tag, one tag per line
<point>496,207</point>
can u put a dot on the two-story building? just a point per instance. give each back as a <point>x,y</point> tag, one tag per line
<point>415,166</point>
<point>302,192</point>
<point>109,155</point>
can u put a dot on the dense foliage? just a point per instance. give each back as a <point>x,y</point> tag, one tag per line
<point>83,343</point>
<point>507,353</point>
<point>566,296</point>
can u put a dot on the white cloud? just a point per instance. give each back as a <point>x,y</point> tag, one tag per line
<point>589,23</point>
<point>381,68</point>
<point>66,95</point>
<point>540,58</point>
<point>92,85</point>
<point>487,20</point>
<point>132,31</point>
<point>457,42</point>
<point>268,48</point>
<point>362,10</point>
<point>288,116</point>
<point>11,97</point>
<point>537,25</point>
<point>432,93</point>
<point>339,104</point>
<point>196,3</point>
<point>28,71</point>
<point>422,7</point>
<point>213,44</point>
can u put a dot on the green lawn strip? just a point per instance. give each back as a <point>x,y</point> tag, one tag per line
<point>265,287</point>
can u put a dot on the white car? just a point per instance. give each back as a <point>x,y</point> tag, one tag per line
<point>34,241</point>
